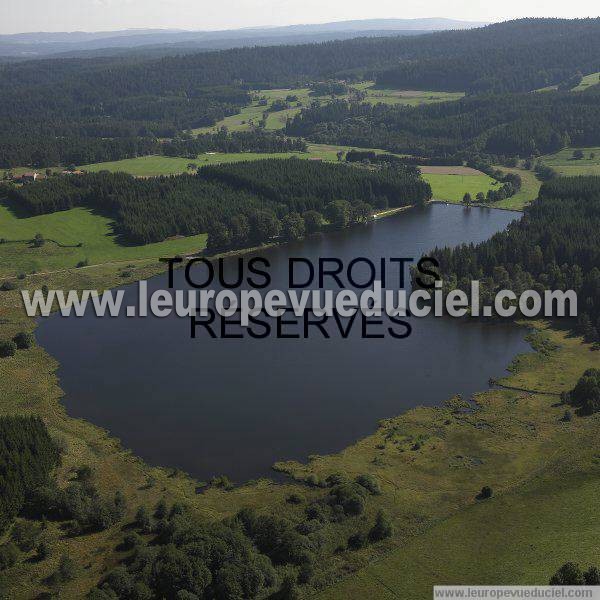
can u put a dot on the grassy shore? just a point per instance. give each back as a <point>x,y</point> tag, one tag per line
<point>544,472</point>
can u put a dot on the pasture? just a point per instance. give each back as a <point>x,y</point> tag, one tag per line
<point>67,229</point>
<point>250,115</point>
<point>587,81</point>
<point>452,188</point>
<point>530,186</point>
<point>564,163</point>
<point>152,166</point>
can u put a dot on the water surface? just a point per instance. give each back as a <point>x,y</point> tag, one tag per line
<point>230,406</point>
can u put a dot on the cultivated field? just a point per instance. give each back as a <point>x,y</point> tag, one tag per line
<point>449,170</point>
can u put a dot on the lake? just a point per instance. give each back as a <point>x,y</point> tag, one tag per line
<point>234,407</point>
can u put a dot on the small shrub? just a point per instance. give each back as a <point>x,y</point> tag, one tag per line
<point>312,480</point>
<point>43,550</point>
<point>84,473</point>
<point>24,340</point>
<point>370,483</point>
<point>161,510</point>
<point>82,263</point>
<point>132,540</point>
<point>8,286</point>
<point>592,576</point>
<point>357,541</point>
<point>486,492</point>
<point>222,481</point>
<point>569,574</point>
<point>9,554</point>
<point>25,535</point>
<point>295,499</point>
<point>142,519</point>
<point>383,527</point>
<point>7,348</point>
<point>66,570</point>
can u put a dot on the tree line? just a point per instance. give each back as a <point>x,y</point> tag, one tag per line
<point>262,195</point>
<point>99,104</point>
<point>237,141</point>
<point>554,246</point>
<point>28,457</point>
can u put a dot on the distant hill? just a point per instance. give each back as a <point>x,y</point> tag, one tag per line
<point>166,41</point>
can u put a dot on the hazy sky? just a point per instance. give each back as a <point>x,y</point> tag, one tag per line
<point>97,15</point>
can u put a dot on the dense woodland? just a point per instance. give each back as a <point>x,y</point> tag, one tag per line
<point>28,456</point>
<point>509,124</point>
<point>260,193</point>
<point>555,246</point>
<point>237,141</point>
<point>109,108</point>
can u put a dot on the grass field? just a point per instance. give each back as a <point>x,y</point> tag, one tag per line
<point>72,227</point>
<point>250,115</point>
<point>587,81</point>
<point>564,163</point>
<point>452,188</point>
<point>530,186</point>
<point>150,166</point>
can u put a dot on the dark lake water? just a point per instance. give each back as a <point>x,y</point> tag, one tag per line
<point>230,406</point>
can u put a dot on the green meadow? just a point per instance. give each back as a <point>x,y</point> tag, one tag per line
<point>587,81</point>
<point>69,228</point>
<point>151,166</point>
<point>530,186</point>
<point>564,163</point>
<point>452,188</point>
<point>251,115</point>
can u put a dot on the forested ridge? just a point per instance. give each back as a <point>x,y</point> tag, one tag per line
<point>508,124</point>
<point>150,210</point>
<point>555,246</point>
<point>107,109</point>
